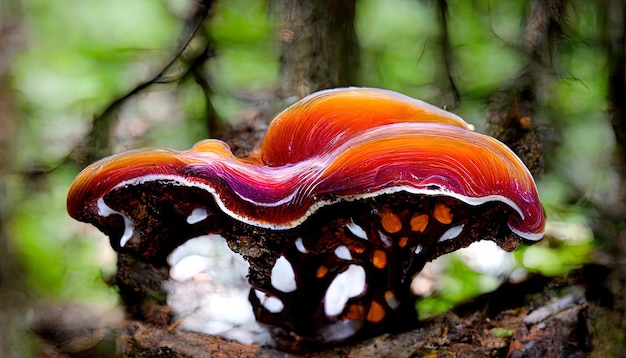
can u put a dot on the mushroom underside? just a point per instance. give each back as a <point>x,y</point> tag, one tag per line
<point>343,273</point>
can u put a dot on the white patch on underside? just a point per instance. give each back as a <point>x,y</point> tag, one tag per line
<point>105,210</point>
<point>391,300</point>
<point>343,253</point>
<point>356,230</point>
<point>207,255</point>
<point>213,299</point>
<point>271,303</point>
<point>190,266</point>
<point>487,258</point>
<point>197,215</point>
<point>386,240</point>
<point>345,286</point>
<point>418,249</point>
<point>300,246</point>
<point>283,277</point>
<point>451,233</point>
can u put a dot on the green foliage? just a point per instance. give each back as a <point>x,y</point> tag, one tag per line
<point>78,58</point>
<point>246,40</point>
<point>409,63</point>
<point>63,260</point>
<point>459,283</point>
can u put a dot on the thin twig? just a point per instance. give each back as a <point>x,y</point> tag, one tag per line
<point>447,50</point>
<point>88,147</point>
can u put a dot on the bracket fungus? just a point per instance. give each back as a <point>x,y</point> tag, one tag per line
<point>352,192</point>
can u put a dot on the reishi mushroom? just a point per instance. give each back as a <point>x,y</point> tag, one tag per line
<point>352,193</point>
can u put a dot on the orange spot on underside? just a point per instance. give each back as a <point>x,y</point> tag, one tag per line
<point>442,214</point>
<point>390,222</point>
<point>391,300</point>
<point>403,241</point>
<point>419,222</point>
<point>379,259</point>
<point>376,312</point>
<point>355,312</point>
<point>357,247</point>
<point>321,271</point>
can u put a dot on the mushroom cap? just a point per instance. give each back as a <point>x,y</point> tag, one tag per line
<point>313,155</point>
<point>323,121</point>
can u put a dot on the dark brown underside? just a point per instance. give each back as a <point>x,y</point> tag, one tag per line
<point>159,213</point>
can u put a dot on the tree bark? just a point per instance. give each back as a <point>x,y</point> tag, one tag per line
<point>319,47</point>
<point>615,34</point>
<point>512,116</point>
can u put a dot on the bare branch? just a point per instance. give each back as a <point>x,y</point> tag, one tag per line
<point>95,144</point>
<point>444,42</point>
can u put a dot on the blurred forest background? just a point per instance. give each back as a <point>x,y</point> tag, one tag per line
<point>84,79</point>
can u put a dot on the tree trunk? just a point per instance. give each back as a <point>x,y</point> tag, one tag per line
<point>319,47</point>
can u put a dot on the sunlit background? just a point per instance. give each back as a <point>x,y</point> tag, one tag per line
<point>73,58</point>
